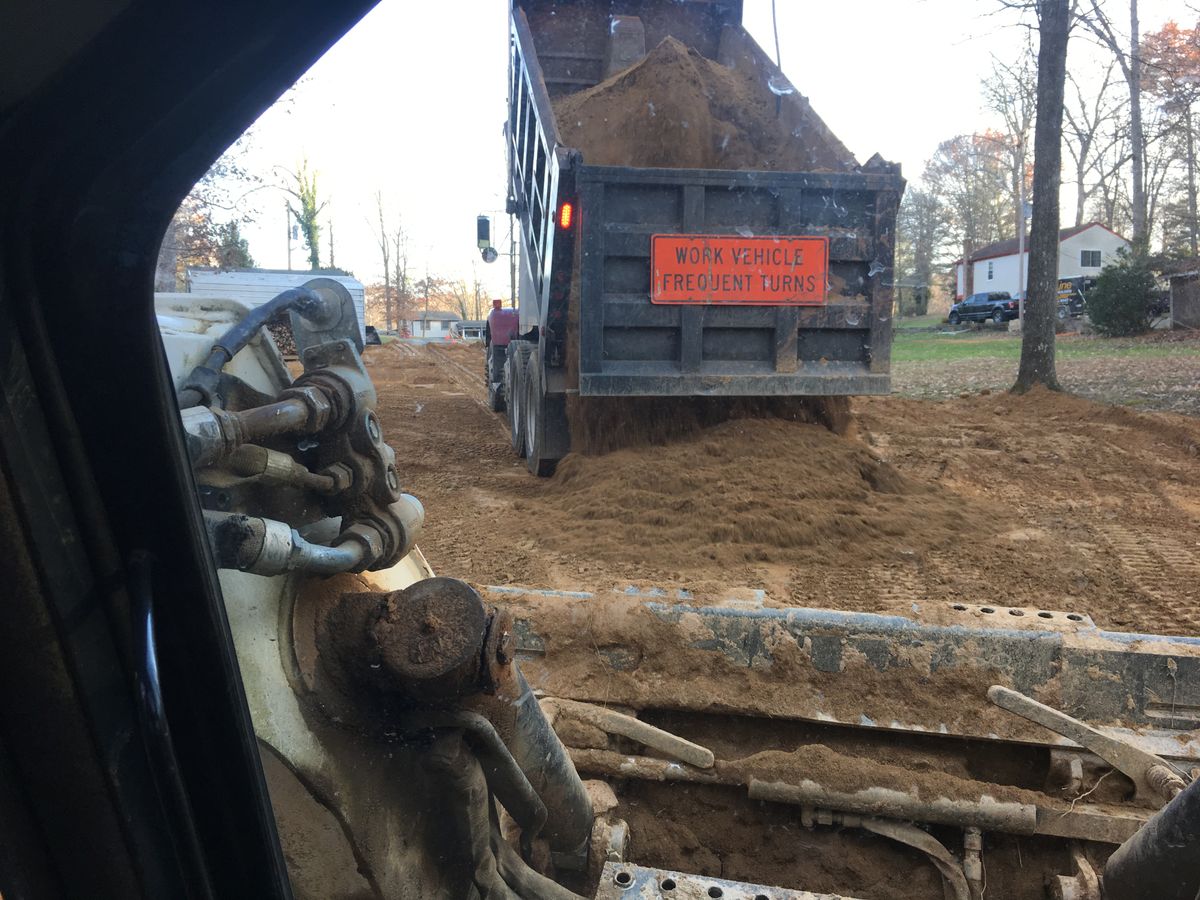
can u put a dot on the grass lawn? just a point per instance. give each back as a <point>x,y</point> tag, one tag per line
<point>1160,370</point>
<point>919,323</point>
<point>927,346</point>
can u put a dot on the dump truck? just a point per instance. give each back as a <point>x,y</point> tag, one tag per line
<point>687,282</point>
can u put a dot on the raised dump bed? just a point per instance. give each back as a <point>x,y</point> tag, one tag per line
<point>689,226</point>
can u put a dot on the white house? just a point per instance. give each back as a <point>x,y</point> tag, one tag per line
<point>434,324</point>
<point>256,286</point>
<point>1083,250</point>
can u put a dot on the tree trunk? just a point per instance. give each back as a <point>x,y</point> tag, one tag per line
<point>1136,136</point>
<point>1037,332</point>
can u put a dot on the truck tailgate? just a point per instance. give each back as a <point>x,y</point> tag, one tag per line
<point>631,346</point>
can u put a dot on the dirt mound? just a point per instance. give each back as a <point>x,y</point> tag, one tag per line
<point>745,490</point>
<point>603,424</point>
<point>677,109</point>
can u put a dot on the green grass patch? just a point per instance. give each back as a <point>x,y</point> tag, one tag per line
<point>919,323</point>
<point>946,347</point>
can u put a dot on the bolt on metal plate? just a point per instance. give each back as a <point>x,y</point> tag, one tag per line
<point>621,881</point>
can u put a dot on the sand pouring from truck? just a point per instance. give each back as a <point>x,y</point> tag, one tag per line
<point>689,228</point>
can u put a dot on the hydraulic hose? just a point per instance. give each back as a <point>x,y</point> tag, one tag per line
<point>267,547</point>
<point>200,384</point>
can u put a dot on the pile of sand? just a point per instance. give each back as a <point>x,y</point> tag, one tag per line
<point>748,490</point>
<point>604,424</point>
<point>677,109</point>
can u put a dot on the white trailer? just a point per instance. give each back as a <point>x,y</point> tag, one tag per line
<point>254,287</point>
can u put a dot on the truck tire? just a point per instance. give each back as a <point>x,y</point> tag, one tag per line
<point>495,389</point>
<point>514,392</point>
<point>953,318</point>
<point>538,457</point>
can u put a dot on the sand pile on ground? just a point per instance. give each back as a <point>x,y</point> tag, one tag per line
<point>604,424</point>
<point>678,109</point>
<point>749,490</point>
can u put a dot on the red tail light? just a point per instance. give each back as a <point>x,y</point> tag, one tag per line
<point>566,213</point>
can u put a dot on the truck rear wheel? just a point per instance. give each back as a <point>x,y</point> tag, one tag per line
<point>514,392</point>
<point>540,456</point>
<point>494,371</point>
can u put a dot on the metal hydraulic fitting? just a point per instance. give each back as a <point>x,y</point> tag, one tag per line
<point>316,399</point>
<point>342,475</point>
<point>211,434</point>
<point>367,536</point>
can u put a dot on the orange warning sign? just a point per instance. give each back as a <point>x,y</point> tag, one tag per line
<point>721,269</point>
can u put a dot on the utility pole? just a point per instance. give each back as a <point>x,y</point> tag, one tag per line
<point>287,208</point>
<point>332,264</point>
<point>1021,286</point>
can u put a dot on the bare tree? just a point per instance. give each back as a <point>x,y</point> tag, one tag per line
<point>1037,334</point>
<point>385,250</point>
<point>1110,192</point>
<point>1010,92</point>
<point>921,231</point>
<point>1163,155</point>
<point>478,295</point>
<point>1171,61</point>
<point>1091,130</point>
<point>400,276</point>
<point>459,294</point>
<point>970,182</point>
<point>1098,23</point>
<point>213,211</point>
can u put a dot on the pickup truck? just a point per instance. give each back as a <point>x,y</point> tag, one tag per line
<point>998,306</point>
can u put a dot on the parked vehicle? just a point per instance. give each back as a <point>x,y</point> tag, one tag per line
<point>1159,303</point>
<point>1072,296</point>
<point>997,306</point>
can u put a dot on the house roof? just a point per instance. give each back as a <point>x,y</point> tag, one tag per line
<point>436,315</point>
<point>1009,247</point>
<point>1177,268</point>
<point>312,273</point>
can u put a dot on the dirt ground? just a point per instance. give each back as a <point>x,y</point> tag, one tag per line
<point>1048,501</point>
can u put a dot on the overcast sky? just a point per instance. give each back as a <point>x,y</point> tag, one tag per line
<point>412,100</point>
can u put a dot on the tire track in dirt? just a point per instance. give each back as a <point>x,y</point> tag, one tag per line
<point>470,382</point>
<point>1164,570</point>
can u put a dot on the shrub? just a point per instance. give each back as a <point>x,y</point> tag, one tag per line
<point>1119,303</point>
